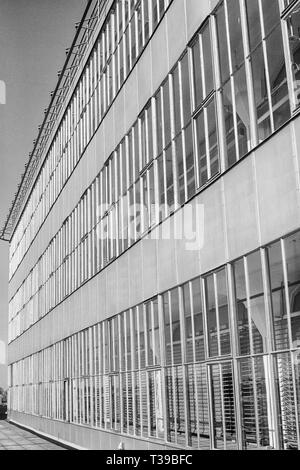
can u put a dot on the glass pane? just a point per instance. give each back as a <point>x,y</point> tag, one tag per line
<point>176,331</point>
<point>257,303</point>
<point>169,179</point>
<point>242,111</point>
<point>161,188</point>
<point>159,125</point>
<point>198,320</point>
<point>186,99</point>
<point>278,81</point>
<point>207,59</point>
<point>176,99</point>
<point>286,400</point>
<point>255,402</point>
<point>223,407</point>
<point>211,317</point>
<point>198,88</point>
<point>294,38</point>
<point>188,322</point>
<point>168,345</point>
<point>222,44</point>
<point>199,433</point>
<point>213,139</point>
<point>261,94</point>
<point>201,146</point>
<point>235,33</point>
<point>223,312</point>
<point>254,27</point>
<point>292,253</point>
<point>229,124</point>
<point>280,322</point>
<point>180,168</point>
<point>167,115</point>
<point>271,14</point>
<point>190,163</point>
<point>241,308</point>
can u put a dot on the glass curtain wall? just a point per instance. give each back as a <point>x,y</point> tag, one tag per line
<point>213,363</point>
<point>206,114</point>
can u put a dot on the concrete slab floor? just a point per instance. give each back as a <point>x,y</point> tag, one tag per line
<point>14,438</point>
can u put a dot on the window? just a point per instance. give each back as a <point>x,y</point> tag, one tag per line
<point>233,80</point>
<point>205,122</point>
<point>217,314</point>
<point>293,24</point>
<point>250,305</point>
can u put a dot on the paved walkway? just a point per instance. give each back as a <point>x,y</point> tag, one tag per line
<point>14,438</point>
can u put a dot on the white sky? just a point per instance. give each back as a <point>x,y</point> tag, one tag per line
<point>34,35</point>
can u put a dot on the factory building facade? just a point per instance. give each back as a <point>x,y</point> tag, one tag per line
<point>155,237</point>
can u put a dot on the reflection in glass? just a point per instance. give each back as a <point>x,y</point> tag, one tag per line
<point>190,163</point>
<point>286,400</point>
<point>229,124</point>
<point>198,89</point>
<point>212,139</point>
<point>256,423</point>
<point>198,425</point>
<point>257,303</point>
<point>211,317</point>
<point>294,42</point>
<point>222,43</point>
<point>279,312</point>
<point>223,312</point>
<point>261,94</point>
<point>242,111</point>
<point>292,253</point>
<point>242,320</point>
<point>223,406</point>
<point>217,314</point>
<point>278,81</point>
<point>254,26</point>
<point>201,146</point>
<point>235,33</point>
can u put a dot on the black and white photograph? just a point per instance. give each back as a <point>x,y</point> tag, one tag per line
<point>150,228</point>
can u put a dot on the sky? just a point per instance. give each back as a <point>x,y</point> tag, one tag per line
<point>34,35</point>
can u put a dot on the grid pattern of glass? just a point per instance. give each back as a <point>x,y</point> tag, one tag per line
<point>208,112</point>
<point>121,41</point>
<point>213,363</point>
